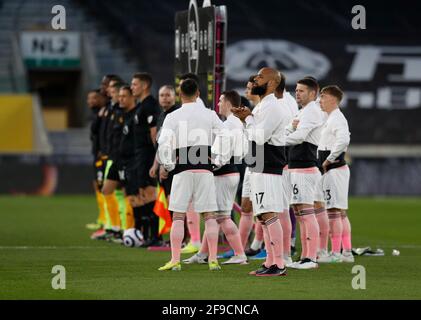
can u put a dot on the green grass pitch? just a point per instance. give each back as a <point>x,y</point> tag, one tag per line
<point>38,233</point>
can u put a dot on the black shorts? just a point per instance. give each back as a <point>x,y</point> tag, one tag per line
<point>145,161</point>
<point>113,173</point>
<point>130,181</point>
<point>127,176</point>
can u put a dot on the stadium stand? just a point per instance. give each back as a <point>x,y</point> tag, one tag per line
<point>131,36</point>
<point>27,15</point>
<point>143,24</point>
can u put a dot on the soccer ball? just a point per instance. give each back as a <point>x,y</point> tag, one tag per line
<point>133,238</point>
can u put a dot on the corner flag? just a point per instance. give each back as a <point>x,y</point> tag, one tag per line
<point>161,210</point>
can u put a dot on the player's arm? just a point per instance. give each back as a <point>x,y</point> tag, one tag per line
<point>289,129</point>
<point>221,147</point>
<point>152,114</point>
<point>239,144</point>
<point>153,170</point>
<point>153,134</point>
<point>342,139</point>
<point>261,131</point>
<point>307,123</point>
<point>166,145</point>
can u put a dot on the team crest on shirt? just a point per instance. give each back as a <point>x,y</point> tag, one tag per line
<point>150,118</point>
<point>126,129</point>
<point>120,120</point>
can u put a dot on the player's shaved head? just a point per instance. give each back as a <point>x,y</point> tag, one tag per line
<point>266,81</point>
<point>166,96</point>
<point>271,74</point>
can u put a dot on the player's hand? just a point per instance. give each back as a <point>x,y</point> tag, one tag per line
<point>163,174</point>
<point>295,123</point>
<point>242,112</point>
<point>153,171</point>
<point>327,163</point>
<point>141,195</point>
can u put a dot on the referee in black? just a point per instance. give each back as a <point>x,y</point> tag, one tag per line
<point>145,119</point>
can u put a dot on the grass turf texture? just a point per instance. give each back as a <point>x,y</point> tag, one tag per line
<point>38,233</point>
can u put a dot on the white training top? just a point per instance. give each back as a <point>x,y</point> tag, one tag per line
<point>335,135</point>
<point>238,140</point>
<point>309,128</point>
<point>266,124</point>
<point>291,104</point>
<point>193,125</point>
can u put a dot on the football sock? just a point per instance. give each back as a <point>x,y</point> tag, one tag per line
<point>323,221</point>
<point>274,228</point>
<point>312,232</point>
<point>336,230</point>
<point>101,207</point>
<point>154,220</point>
<point>302,236</point>
<point>269,252</point>
<point>176,237</point>
<point>232,234</point>
<point>137,217</point>
<point>211,227</point>
<point>204,249</point>
<point>112,208</point>
<point>285,221</point>
<point>346,234</point>
<point>142,221</point>
<point>245,226</point>
<point>193,225</point>
<point>129,215</point>
<point>121,206</point>
<point>258,231</point>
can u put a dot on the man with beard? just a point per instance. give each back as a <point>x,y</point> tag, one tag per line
<point>265,132</point>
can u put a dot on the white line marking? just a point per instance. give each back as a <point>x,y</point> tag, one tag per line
<point>48,247</point>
